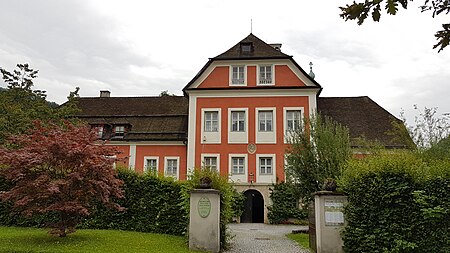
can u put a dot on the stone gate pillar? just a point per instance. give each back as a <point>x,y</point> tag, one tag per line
<point>204,220</point>
<point>329,221</point>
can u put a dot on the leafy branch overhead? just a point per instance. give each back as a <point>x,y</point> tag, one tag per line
<point>360,11</point>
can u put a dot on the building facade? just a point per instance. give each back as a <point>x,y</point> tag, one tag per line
<point>235,117</point>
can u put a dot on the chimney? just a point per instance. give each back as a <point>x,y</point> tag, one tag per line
<point>105,93</point>
<point>277,46</point>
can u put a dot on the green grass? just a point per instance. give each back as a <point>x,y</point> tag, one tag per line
<point>14,239</point>
<point>301,238</point>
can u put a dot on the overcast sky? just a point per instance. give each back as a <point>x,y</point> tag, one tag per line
<point>140,48</point>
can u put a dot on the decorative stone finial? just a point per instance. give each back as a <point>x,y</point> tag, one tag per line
<point>311,73</point>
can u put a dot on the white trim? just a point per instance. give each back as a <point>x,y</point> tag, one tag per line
<point>231,92</point>
<point>211,137</point>
<point>272,66</point>
<point>146,143</point>
<point>266,178</point>
<point>132,158</point>
<point>166,158</point>
<point>240,178</point>
<point>191,134</point>
<point>237,137</point>
<point>217,156</point>
<point>148,158</point>
<point>286,136</point>
<point>230,80</point>
<point>266,137</point>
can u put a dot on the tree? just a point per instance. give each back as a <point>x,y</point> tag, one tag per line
<point>61,171</point>
<point>429,128</point>
<point>361,11</point>
<point>20,105</point>
<point>318,151</point>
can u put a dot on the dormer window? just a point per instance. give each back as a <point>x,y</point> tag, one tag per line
<point>238,75</point>
<point>100,130</point>
<point>246,47</point>
<point>119,131</point>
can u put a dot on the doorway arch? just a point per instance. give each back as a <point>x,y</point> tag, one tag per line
<point>253,207</point>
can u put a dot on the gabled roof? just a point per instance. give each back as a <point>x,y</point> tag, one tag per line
<point>363,117</point>
<point>260,50</point>
<point>132,106</point>
<point>150,118</point>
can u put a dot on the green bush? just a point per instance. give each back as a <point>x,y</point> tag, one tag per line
<point>152,205</point>
<point>397,202</point>
<point>227,198</point>
<point>285,204</point>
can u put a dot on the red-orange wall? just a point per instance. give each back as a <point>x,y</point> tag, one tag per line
<point>161,151</point>
<point>285,77</point>
<point>219,77</point>
<point>224,149</point>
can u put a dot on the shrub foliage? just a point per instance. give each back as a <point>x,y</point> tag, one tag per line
<point>397,203</point>
<point>284,204</point>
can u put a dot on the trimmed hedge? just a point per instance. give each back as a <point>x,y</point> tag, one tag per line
<point>285,204</point>
<point>397,203</point>
<point>152,205</point>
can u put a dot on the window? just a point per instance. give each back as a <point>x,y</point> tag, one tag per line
<point>210,162</point>
<point>238,165</point>
<point>151,165</point>
<point>265,165</point>
<point>238,121</point>
<point>265,74</point>
<point>212,121</point>
<point>293,120</point>
<point>172,167</point>
<point>265,121</point>
<point>119,131</point>
<point>238,75</point>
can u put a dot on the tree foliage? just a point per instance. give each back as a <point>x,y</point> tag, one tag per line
<point>20,105</point>
<point>59,170</point>
<point>317,152</point>
<point>428,128</point>
<point>362,10</point>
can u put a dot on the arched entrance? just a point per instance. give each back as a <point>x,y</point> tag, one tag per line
<point>253,207</point>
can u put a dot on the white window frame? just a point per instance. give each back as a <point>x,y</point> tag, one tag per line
<point>217,156</point>
<point>266,178</point>
<point>266,120</point>
<point>237,137</point>
<point>152,158</point>
<point>238,178</point>
<point>166,161</point>
<point>211,137</point>
<point>245,75</point>
<point>258,78</point>
<point>288,135</point>
<point>266,136</point>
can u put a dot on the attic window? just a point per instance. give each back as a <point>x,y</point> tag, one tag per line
<point>246,47</point>
<point>119,131</point>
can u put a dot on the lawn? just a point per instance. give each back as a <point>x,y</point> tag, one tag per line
<point>301,238</point>
<point>14,239</point>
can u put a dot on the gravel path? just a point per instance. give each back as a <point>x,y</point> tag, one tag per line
<point>258,237</point>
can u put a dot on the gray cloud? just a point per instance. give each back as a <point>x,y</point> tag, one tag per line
<point>70,40</point>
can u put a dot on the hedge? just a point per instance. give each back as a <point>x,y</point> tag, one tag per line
<point>153,204</point>
<point>285,204</point>
<point>398,202</point>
